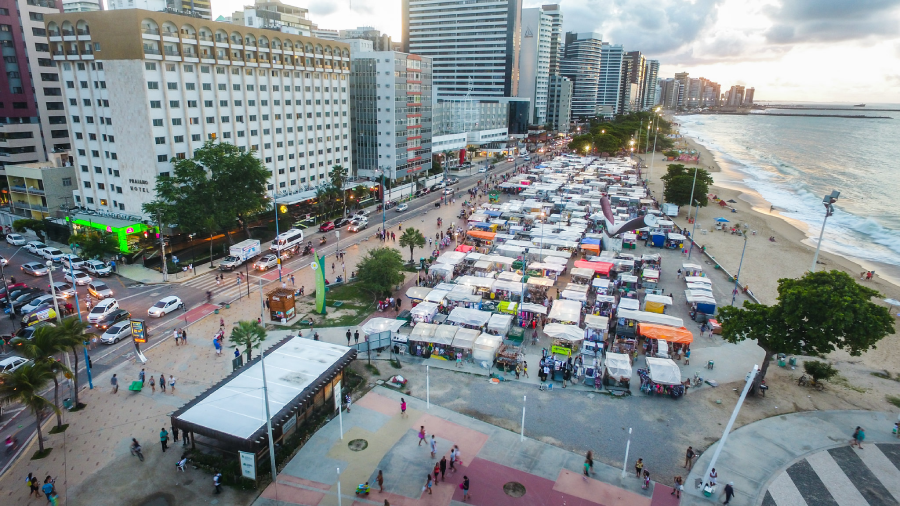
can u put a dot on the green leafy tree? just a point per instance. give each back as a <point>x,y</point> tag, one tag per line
<point>40,349</point>
<point>72,334</point>
<point>338,175</point>
<point>412,239</point>
<point>820,371</point>
<point>95,244</point>
<point>380,270</point>
<point>36,226</point>
<point>815,315</point>
<point>679,181</point>
<point>249,335</point>
<point>24,386</point>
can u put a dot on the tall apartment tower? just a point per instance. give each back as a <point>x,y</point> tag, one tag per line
<point>735,96</point>
<point>275,15</point>
<point>81,5</point>
<point>534,62</point>
<point>559,103</point>
<point>636,77</point>
<point>557,36</point>
<point>474,45</point>
<point>33,119</point>
<point>380,41</point>
<point>651,76</point>
<point>684,82</point>
<point>391,112</point>
<point>198,8</point>
<point>582,65</point>
<point>748,97</point>
<point>146,88</point>
<point>609,89</point>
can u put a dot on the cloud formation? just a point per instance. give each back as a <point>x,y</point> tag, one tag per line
<point>798,21</point>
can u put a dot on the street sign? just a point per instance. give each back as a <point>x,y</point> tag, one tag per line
<point>138,333</point>
<point>248,465</point>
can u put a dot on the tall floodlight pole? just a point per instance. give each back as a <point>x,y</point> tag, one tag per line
<point>828,201</point>
<point>738,276</point>
<point>737,408</point>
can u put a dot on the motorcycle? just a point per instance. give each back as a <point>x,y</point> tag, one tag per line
<point>323,240</point>
<point>307,249</point>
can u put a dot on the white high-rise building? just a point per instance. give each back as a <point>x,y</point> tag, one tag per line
<point>610,89</point>
<point>390,100</point>
<point>651,75</point>
<point>275,15</point>
<point>559,103</point>
<point>198,8</point>
<point>557,36</point>
<point>474,44</point>
<point>534,62</point>
<point>81,5</point>
<point>146,88</point>
<point>582,66</point>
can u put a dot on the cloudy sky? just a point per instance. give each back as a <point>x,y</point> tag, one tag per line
<point>817,50</point>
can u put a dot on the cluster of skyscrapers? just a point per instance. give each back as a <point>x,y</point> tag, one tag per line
<point>688,93</point>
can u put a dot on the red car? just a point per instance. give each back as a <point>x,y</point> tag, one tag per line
<point>12,288</point>
<point>327,226</point>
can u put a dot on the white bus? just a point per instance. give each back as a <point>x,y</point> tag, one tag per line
<point>287,240</point>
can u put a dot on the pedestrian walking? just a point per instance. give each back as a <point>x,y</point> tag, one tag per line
<point>443,466</point>
<point>437,471</point>
<point>859,436</point>
<point>729,492</point>
<point>348,401</point>
<point>421,435</point>
<point>402,408</point>
<point>162,383</point>
<point>172,384</point>
<point>176,336</point>
<point>292,280</point>
<point>453,459</point>
<point>525,368</point>
<point>141,377</point>
<point>218,346</point>
<point>465,487</point>
<point>356,336</point>
<point>678,487</point>
<point>518,370</point>
<point>47,487</point>
<point>114,381</point>
<point>588,464</point>
<point>646,484</point>
<point>164,438</point>
<point>174,433</point>
<point>152,385</point>
<point>348,337</point>
<point>380,480</point>
<point>433,446</point>
<point>427,485</point>
<point>217,481</point>
<point>689,458</point>
<point>639,467</point>
<point>457,454</point>
<point>183,336</point>
<point>33,486</point>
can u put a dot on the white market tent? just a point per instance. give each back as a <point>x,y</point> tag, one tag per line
<point>647,317</point>
<point>444,334</point>
<point>451,257</point>
<point>510,276</point>
<point>465,338</point>
<point>443,271</point>
<point>485,347</point>
<point>436,296</point>
<point>537,281</point>
<point>478,281</point>
<point>565,311</point>
<point>509,286</point>
<point>698,279</point>
<point>664,371</point>
<point>618,366</point>
<point>471,317</point>
<point>629,304</point>
<point>533,308</point>
<point>417,292</point>
<point>581,271</point>
<point>568,332</point>
<point>659,299</point>
<point>376,325</point>
<point>423,332</point>
<point>500,323</point>
<point>424,311</point>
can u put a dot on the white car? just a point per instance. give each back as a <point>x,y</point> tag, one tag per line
<point>527,158</point>
<point>482,169</point>
<point>38,302</point>
<point>15,240</point>
<point>51,253</point>
<point>103,308</point>
<point>402,207</point>
<point>357,225</point>
<point>77,278</point>
<point>165,306</point>
<point>117,332</point>
<point>63,289</point>
<point>72,262</point>
<point>12,363</point>
<point>97,268</point>
<point>265,263</point>
<point>449,191</point>
<point>3,261</point>
<point>35,247</point>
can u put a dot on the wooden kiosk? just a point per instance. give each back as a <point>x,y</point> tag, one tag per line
<point>280,302</point>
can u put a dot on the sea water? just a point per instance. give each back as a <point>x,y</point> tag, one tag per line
<point>793,162</point>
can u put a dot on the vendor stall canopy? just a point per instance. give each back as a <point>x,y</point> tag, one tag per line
<point>664,371</point>
<point>679,335</point>
<point>376,325</point>
<point>471,317</point>
<point>565,311</point>
<point>618,365</point>
<point>646,317</point>
<point>568,332</point>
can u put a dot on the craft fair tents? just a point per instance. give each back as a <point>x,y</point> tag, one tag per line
<point>500,323</point>
<point>598,267</point>
<point>486,347</point>
<point>698,279</point>
<point>567,332</point>
<point>629,304</point>
<point>470,317</point>
<point>528,307</point>
<point>538,281</point>
<point>484,236</point>
<point>437,296</point>
<point>664,332</point>
<point>664,371</point>
<point>424,311</point>
<point>479,281</point>
<point>444,334</point>
<point>442,271</point>
<point>565,311</point>
<point>618,366</point>
<point>415,293</point>
<point>656,303</point>
<point>645,317</point>
<point>423,332</point>
<point>465,338</point>
<point>376,325</point>
<point>451,257</point>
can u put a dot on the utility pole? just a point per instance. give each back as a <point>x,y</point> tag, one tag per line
<point>162,245</point>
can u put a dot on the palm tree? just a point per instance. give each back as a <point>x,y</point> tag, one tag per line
<point>412,238</point>
<point>248,334</point>
<point>40,349</point>
<point>24,386</point>
<point>71,334</point>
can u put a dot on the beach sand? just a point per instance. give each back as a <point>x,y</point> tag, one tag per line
<point>765,262</point>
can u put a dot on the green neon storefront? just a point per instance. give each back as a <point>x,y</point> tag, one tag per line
<point>121,233</point>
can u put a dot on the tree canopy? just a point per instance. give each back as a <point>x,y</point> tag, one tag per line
<point>380,270</point>
<point>815,315</point>
<point>95,243</point>
<point>24,385</point>
<point>36,226</point>
<point>679,182</point>
<point>249,335</point>
<point>411,239</point>
<point>613,136</point>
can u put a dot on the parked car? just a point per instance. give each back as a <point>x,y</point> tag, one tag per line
<point>326,227</point>
<point>39,301</point>
<point>28,332</point>
<point>341,222</point>
<point>116,333</point>
<point>438,186</point>
<point>11,289</point>
<point>52,254</point>
<point>402,207</point>
<point>453,180</point>
<point>63,289</point>
<point>103,308</point>
<point>35,247</point>
<point>266,262</point>
<point>527,158</point>
<point>165,306</point>
<point>77,278</point>
<point>26,299</point>
<point>18,292</point>
<point>99,289</point>
<point>15,240</point>
<point>43,313</point>
<point>113,318</point>
<point>72,262</point>
<point>10,364</point>
<point>35,269</point>
<point>97,268</point>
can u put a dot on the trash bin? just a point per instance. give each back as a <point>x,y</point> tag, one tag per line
<point>67,403</point>
<point>793,361</point>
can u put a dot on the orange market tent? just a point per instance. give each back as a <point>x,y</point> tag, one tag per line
<point>591,247</point>
<point>666,333</point>
<point>479,234</point>
<point>601,267</point>
<point>465,248</point>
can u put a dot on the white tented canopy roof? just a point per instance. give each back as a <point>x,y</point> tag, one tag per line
<point>445,271</point>
<point>700,287</point>
<point>451,257</point>
<point>647,317</point>
<point>500,323</point>
<point>509,286</point>
<point>463,296</point>
<point>424,309</point>
<point>574,295</point>
<point>694,297</point>
<point>565,310</point>
<point>485,347</point>
<point>698,279</point>
<point>444,334</point>
<point>632,304</point>
<point>628,278</point>
<point>593,321</point>
<point>537,281</point>
<point>473,256</point>
<point>600,283</point>
<point>376,325</point>
<point>465,338</point>
<point>606,299</point>
<point>466,316</point>
<point>437,296</point>
<point>567,332</point>
<point>447,287</point>
<point>547,266</point>
<point>691,266</point>
<point>659,299</point>
<point>475,281</point>
<point>533,308</point>
<point>423,332</point>
<point>618,366</point>
<point>676,237</point>
<point>417,292</point>
<point>663,371</point>
<point>510,276</point>
<point>650,274</point>
<point>581,271</point>
<point>483,265</point>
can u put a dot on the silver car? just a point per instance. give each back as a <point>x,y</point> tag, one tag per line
<point>35,269</point>
<point>117,332</point>
<point>63,289</point>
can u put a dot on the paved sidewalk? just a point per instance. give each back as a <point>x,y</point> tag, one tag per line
<point>756,456</point>
<point>491,457</point>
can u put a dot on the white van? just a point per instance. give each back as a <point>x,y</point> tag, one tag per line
<point>287,240</point>
<point>103,308</point>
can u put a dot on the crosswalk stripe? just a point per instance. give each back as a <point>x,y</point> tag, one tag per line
<point>838,484</point>
<point>785,493</point>
<point>883,469</point>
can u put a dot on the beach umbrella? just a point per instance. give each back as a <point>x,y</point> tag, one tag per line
<point>892,302</point>
<point>721,220</point>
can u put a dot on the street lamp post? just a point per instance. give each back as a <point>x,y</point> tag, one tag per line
<point>828,201</point>
<point>738,276</point>
<point>655,135</point>
<point>275,205</point>
<point>693,229</point>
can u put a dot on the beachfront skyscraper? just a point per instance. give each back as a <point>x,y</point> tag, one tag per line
<point>557,40</point>
<point>651,76</point>
<point>559,103</point>
<point>474,45</point>
<point>582,66</point>
<point>534,62</point>
<point>633,81</point>
<point>609,89</point>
